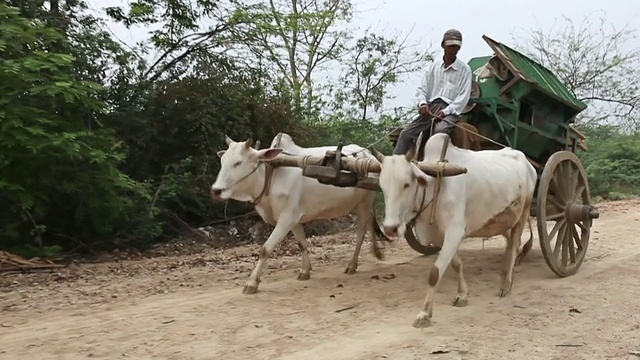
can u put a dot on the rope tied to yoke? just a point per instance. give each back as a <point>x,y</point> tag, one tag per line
<point>305,160</point>
<point>362,167</point>
<point>439,175</point>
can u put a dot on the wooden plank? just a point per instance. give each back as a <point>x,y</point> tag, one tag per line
<point>508,86</point>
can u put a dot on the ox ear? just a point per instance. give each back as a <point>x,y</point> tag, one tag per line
<point>377,155</point>
<point>420,176</point>
<point>268,154</point>
<point>220,153</point>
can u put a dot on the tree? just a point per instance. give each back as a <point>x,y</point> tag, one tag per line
<point>374,63</point>
<point>296,37</point>
<point>180,37</point>
<point>598,63</point>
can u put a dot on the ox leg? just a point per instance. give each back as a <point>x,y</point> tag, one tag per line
<point>510,253</point>
<point>365,217</point>
<point>452,239</point>
<point>462,297</point>
<point>303,244</point>
<point>281,229</point>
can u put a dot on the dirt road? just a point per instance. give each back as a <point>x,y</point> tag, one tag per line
<point>191,307</point>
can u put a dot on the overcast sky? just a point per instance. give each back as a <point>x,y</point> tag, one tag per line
<point>498,19</point>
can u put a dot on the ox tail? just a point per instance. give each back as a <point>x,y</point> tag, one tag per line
<point>529,242</point>
<point>527,246</point>
<point>378,236</point>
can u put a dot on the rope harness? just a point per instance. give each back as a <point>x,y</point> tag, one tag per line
<point>268,175</point>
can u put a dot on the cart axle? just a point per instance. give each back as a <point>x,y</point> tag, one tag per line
<point>577,212</point>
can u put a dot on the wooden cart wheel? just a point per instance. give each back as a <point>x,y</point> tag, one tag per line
<point>412,240</point>
<point>564,201</point>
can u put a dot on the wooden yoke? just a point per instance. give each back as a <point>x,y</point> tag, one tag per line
<point>338,169</point>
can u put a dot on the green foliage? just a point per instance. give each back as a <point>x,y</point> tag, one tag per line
<point>612,162</point>
<point>58,179</point>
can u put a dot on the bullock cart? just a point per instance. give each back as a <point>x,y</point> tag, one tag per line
<point>515,103</point>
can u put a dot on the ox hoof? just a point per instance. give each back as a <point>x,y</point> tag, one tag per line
<point>504,290</point>
<point>460,301</point>
<point>249,289</point>
<point>422,321</point>
<point>304,276</point>
<point>350,270</point>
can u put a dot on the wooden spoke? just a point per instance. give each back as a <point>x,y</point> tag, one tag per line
<point>563,188</point>
<point>558,192</point>
<point>578,194</point>
<point>570,243</point>
<point>576,239</point>
<point>557,204</point>
<point>555,217</point>
<point>556,227</point>
<point>574,185</point>
<point>558,247</point>
<point>565,245</point>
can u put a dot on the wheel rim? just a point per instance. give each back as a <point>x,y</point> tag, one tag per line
<point>416,245</point>
<point>563,213</point>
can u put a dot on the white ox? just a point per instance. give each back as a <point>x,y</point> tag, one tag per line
<point>293,199</point>
<point>493,198</point>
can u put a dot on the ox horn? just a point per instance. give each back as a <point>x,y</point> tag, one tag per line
<point>248,142</point>
<point>411,153</point>
<point>227,139</point>
<point>257,145</point>
<point>446,169</point>
<point>377,155</point>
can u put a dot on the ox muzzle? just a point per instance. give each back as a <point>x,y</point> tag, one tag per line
<point>216,194</point>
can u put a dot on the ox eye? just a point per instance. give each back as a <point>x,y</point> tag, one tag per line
<point>237,164</point>
<point>406,185</point>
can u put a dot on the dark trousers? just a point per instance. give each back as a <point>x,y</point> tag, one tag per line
<point>411,131</point>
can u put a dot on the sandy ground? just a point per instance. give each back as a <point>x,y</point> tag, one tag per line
<point>191,307</point>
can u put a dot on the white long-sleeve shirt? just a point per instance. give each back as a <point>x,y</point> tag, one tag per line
<point>452,85</point>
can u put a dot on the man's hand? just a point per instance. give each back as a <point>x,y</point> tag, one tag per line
<point>439,115</point>
<point>424,109</point>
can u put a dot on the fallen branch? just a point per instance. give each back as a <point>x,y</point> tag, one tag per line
<point>346,308</point>
<point>12,263</point>
<point>187,226</point>
<point>228,219</point>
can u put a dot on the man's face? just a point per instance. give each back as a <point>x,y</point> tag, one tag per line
<point>451,50</point>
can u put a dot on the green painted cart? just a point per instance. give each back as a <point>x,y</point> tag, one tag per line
<point>517,102</point>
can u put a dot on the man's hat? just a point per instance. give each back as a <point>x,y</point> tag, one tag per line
<point>452,37</point>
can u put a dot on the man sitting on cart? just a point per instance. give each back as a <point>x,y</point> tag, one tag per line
<point>444,92</point>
